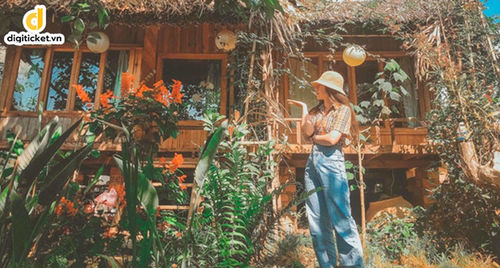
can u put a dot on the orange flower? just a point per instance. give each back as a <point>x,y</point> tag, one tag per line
<point>120,190</point>
<point>58,210</point>
<point>142,89</point>
<point>89,208</point>
<point>182,178</point>
<point>176,162</point>
<point>127,82</point>
<point>230,129</point>
<point>163,160</point>
<point>178,234</point>
<point>176,91</point>
<point>236,115</point>
<point>82,94</point>
<point>159,83</point>
<point>182,186</point>
<point>64,203</point>
<point>104,98</point>
<point>70,207</point>
<point>163,95</point>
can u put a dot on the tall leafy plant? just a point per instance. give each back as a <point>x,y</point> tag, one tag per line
<point>236,214</point>
<point>31,180</point>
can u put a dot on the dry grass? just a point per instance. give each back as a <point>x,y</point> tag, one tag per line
<point>458,258</point>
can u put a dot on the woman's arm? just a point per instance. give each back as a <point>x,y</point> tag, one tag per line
<point>340,127</point>
<point>307,123</point>
<point>328,139</point>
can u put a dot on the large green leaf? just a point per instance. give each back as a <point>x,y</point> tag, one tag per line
<point>208,153</point>
<point>146,193</point>
<point>61,173</point>
<point>21,227</point>
<point>41,141</point>
<point>41,153</point>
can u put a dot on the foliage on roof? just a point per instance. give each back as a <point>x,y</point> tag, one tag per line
<point>178,11</point>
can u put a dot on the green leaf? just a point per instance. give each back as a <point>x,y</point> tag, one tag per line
<point>379,81</point>
<point>391,66</point>
<point>403,91</point>
<point>379,103</point>
<point>67,18</point>
<point>61,173</point>
<point>3,200</point>
<point>348,164</point>
<point>364,104</point>
<point>21,227</point>
<point>38,155</point>
<point>398,77</point>
<point>79,25</point>
<point>37,144</point>
<point>146,193</point>
<point>350,176</point>
<point>103,18</point>
<point>386,110</point>
<point>95,180</point>
<point>394,96</point>
<point>357,109</point>
<point>386,87</point>
<point>208,153</point>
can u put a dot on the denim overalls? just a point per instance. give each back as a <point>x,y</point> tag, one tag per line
<point>329,209</point>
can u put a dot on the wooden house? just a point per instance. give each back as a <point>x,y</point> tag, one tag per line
<point>176,39</point>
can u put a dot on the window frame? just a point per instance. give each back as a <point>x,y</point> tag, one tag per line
<point>134,66</point>
<point>351,71</point>
<point>198,56</point>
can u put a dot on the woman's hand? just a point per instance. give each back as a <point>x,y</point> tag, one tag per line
<point>307,123</point>
<point>300,104</point>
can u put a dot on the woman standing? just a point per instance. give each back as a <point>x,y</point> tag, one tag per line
<point>331,124</point>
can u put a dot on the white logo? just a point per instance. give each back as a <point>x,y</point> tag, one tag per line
<point>34,21</point>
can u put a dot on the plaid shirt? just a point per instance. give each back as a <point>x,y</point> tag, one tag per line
<point>336,119</point>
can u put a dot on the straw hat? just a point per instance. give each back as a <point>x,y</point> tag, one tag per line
<point>331,80</point>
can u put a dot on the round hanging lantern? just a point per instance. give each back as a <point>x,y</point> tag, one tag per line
<point>354,55</point>
<point>98,42</point>
<point>225,40</point>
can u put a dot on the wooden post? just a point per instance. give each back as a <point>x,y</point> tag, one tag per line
<point>149,57</point>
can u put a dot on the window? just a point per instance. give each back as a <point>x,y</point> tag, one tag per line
<point>201,84</point>
<point>47,75</point>
<point>410,101</point>
<point>29,78</point>
<point>89,71</point>
<point>116,64</point>
<point>62,62</point>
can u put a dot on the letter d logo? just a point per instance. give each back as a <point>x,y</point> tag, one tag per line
<point>34,20</point>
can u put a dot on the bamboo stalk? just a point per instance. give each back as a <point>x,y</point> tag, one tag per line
<point>361,196</point>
